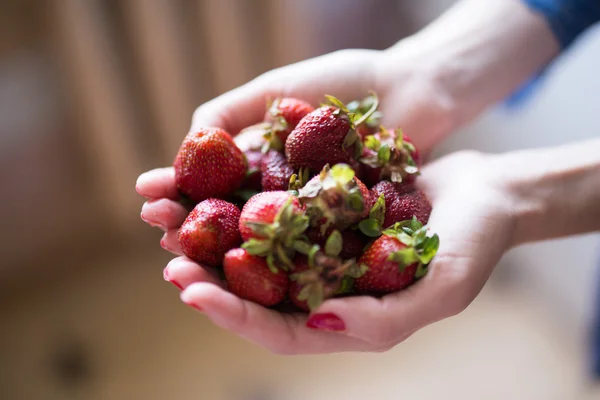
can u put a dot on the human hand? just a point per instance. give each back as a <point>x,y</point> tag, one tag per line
<point>471,215</point>
<point>409,94</point>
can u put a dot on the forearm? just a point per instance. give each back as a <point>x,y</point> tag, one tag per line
<point>554,192</point>
<point>481,51</point>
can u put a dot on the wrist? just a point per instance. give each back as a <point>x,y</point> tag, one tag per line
<point>426,108</point>
<point>552,192</point>
<point>475,62</point>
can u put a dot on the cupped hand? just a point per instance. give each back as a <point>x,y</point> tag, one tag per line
<point>474,231</point>
<point>471,214</point>
<point>410,98</point>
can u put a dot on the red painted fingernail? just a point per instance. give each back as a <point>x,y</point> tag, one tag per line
<point>196,306</point>
<point>168,279</point>
<point>326,322</point>
<point>176,284</point>
<point>163,243</point>
<point>153,223</point>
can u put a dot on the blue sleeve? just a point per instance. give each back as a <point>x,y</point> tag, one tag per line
<point>567,18</point>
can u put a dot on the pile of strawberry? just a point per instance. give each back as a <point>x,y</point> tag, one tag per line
<point>327,198</point>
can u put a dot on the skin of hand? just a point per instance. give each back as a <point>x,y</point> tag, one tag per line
<point>475,225</point>
<point>407,97</point>
<point>482,206</point>
<point>428,85</point>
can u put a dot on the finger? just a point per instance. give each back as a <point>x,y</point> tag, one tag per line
<point>167,214</point>
<point>170,243</point>
<point>236,109</point>
<point>157,183</point>
<point>383,321</point>
<point>307,80</point>
<point>449,286</point>
<point>182,272</point>
<point>280,333</point>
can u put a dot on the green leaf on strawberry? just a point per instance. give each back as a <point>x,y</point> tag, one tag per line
<point>334,243</point>
<point>373,225</point>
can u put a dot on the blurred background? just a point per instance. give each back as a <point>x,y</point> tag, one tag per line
<point>93,92</point>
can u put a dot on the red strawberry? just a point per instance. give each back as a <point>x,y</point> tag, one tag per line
<point>283,115</point>
<point>396,259</point>
<point>272,224</point>
<point>300,266</point>
<point>322,274</point>
<point>402,202</point>
<point>276,172</point>
<point>208,164</point>
<point>335,198</point>
<point>414,152</point>
<point>366,107</point>
<point>264,208</point>
<point>253,178</point>
<point>250,278</point>
<point>209,231</point>
<point>251,140</point>
<point>323,136</point>
<point>389,155</point>
<point>353,242</point>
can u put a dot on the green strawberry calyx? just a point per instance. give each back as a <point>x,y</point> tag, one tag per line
<point>328,274</point>
<point>279,239</point>
<point>373,225</point>
<point>391,153</point>
<point>359,113</point>
<point>297,181</point>
<point>279,124</point>
<point>334,198</point>
<point>366,110</point>
<point>420,247</point>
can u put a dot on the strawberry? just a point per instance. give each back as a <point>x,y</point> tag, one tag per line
<point>208,164</point>
<point>250,278</point>
<point>276,171</point>
<point>209,231</point>
<point>253,180</point>
<point>398,258</point>
<point>322,274</point>
<point>324,136</point>
<point>251,140</point>
<point>353,243</point>
<point>389,155</point>
<point>395,202</point>
<point>414,152</point>
<point>284,114</point>
<point>272,225</point>
<point>367,106</point>
<point>335,198</point>
<point>300,266</point>
<point>402,202</point>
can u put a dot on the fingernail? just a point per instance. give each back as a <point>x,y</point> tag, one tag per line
<point>326,322</point>
<point>163,243</point>
<point>193,305</point>
<point>168,279</point>
<point>153,223</point>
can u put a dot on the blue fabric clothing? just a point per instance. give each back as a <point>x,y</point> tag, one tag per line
<point>567,18</point>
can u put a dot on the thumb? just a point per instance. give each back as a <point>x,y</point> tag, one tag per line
<point>449,286</point>
<point>236,109</point>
